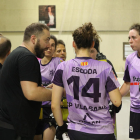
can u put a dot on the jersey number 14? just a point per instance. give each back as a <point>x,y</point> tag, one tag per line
<point>92,81</point>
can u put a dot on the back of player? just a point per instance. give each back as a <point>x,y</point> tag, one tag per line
<point>86,82</point>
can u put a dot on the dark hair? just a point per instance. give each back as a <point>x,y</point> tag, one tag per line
<point>5,47</point>
<point>136,27</point>
<point>54,38</point>
<point>84,36</point>
<point>34,29</point>
<point>60,42</point>
<point>48,7</point>
<point>97,43</point>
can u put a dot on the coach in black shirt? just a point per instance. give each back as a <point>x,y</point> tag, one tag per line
<point>20,85</point>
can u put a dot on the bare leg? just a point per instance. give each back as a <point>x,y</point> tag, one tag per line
<point>49,133</point>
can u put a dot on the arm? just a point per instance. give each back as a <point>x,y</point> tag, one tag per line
<point>64,93</point>
<point>33,92</point>
<point>56,109</point>
<point>126,85</point>
<point>125,88</point>
<point>51,86</point>
<point>115,97</point>
<point>30,79</point>
<point>57,93</point>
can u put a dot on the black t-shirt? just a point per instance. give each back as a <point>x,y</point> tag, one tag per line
<point>20,65</point>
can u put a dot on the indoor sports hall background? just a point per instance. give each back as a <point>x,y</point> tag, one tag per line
<point>111,18</point>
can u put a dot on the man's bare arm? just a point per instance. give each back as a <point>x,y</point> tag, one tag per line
<point>32,91</point>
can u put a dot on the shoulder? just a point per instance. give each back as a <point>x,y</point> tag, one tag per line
<point>21,54</point>
<point>22,51</point>
<point>25,56</point>
<point>28,57</point>
<point>131,56</point>
<point>109,62</point>
<point>56,60</point>
<point>104,67</point>
<point>103,64</point>
<point>62,64</point>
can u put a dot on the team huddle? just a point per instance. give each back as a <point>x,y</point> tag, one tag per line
<point>35,78</point>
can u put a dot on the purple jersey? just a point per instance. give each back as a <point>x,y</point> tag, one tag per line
<point>47,72</point>
<point>87,83</point>
<point>132,75</point>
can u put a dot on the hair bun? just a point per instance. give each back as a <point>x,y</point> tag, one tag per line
<point>84,36</point>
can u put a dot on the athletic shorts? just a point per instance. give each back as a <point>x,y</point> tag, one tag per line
<point>46,114</point>
<point>77,135</point>
<point>41,127</point>
<point>134,125</point>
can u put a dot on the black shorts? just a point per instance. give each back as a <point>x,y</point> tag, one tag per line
<point>134,125</point>
<point>77,135</point>
<point>41,127</point>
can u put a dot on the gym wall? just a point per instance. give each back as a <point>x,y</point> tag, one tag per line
<point>111,19</point>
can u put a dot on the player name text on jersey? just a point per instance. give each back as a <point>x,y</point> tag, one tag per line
<point>84,71</point>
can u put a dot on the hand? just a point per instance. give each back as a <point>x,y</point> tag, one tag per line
<point>113,109</point>
<point>117,109</point>
<point>60,130</point>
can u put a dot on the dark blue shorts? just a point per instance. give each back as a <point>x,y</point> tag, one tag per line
<point>134,125</point>
<point>43,125</point>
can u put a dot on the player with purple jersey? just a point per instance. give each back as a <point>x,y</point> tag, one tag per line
<point>47,72</point>
<point>132,81</point>
<point>60,50</point>
<point>48,66</point>
<point>87,83</point>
